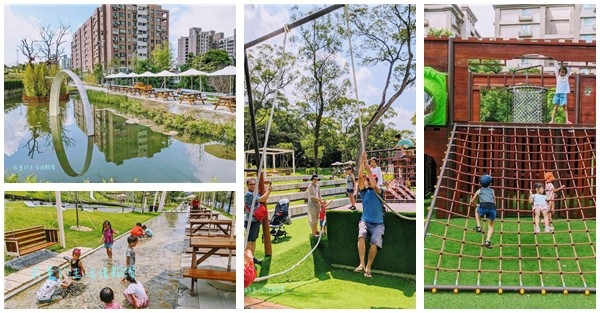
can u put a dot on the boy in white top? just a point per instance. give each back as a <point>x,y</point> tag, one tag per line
<point>375,169</point>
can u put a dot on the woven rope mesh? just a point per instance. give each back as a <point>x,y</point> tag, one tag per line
<point>516,158</point>
<point>528,103</point>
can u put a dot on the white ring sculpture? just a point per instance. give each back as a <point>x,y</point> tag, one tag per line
<point>55,125</point>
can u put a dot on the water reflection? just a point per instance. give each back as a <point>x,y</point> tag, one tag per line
<point>119,151</point>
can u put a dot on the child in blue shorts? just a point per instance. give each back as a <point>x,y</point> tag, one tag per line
<point>562,91</point>
<point>486,207</point>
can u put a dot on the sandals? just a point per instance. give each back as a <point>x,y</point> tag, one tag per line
<point>477,229</point>
<point>359,269</point>
<point>487,244</point>
<point>352,208</point>
<point>368,274</point>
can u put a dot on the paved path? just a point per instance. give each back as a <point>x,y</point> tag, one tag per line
<point>158,266</point>
<point>253,303</point>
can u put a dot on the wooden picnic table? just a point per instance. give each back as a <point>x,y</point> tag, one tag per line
<point>192,97</point>
<point>200,215</point>
<point>214,244</point>
<point>223,225</point>
<point>227,101</point>
<point>164,94</point>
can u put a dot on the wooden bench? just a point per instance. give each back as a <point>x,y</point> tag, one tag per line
<point>220,252</point>
<point>196,274</point>
<point>20,242</point>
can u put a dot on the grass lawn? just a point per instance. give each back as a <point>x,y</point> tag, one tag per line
<point>314,284</point>
<point>17,215</point>
<point>492,300</point>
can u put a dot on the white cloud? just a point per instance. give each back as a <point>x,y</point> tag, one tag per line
<point>260,20</point>
<point>16,28</point>
<point>402,120</point>
<point>220,18</point>
<point>14,131</point>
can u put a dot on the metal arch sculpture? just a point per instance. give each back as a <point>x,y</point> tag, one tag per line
<point>55,125</point>
<point>55,95</point>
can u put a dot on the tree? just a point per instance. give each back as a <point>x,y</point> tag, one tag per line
<point>387,36</point>
<point>214,60</point>
<point>485,66</point>
<point>162,57</point>
<point>439,32</point>
<point>52,40</point>
<point>324,86</point>
<point>28,50</point>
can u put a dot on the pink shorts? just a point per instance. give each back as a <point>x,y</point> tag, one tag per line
<point>539,208</point>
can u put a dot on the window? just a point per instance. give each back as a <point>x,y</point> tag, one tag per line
<point>589,21</point>
<point>526,12</point>
<point>526,28</point>
<point>588,38</point>
<point>589,7</point>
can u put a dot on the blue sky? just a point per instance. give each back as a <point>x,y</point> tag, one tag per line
<point>263,19</point>
<point>23,21</point>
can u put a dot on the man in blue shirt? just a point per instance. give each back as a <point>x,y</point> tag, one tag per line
<point>371,221</point>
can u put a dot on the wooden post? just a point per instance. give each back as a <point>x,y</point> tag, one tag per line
<point>265,222</point>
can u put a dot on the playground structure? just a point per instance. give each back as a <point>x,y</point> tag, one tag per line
<point>280,161</point>
<point>516,155</point>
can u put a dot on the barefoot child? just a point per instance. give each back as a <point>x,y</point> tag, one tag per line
<point>350,179</point>
<point>130,257</point>
<point>53,288</point>
<point>486,207</point>
<point>540,204</point>
<point>77,270</point>
<point>135,293</point>
<point>107,237</point>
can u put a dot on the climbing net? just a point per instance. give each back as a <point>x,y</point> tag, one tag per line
<point>563,260</point>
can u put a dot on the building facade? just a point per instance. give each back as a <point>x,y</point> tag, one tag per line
<point>198,42</point>
<point>550,21</point>
<point>459,20</point>
<point>117,33</point>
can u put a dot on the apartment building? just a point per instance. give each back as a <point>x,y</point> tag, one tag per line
<point>457,19</point>
<point>116,33</point>
<point>548,21</point>
<point>198,42</point>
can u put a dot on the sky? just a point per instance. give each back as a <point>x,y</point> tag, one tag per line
<point>485,18</point>
<point>263,19</point>
<point>23,21</point>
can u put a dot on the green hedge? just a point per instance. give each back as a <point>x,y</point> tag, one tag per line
<point>399,242</point>
<point>13,84</point>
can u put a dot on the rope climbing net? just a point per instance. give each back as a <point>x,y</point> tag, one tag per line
<point>528,103</point>
<point>521,260</point>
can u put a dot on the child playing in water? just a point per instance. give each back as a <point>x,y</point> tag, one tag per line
<point>108,297</point>
<point>147,231</point>
<point>135,293</point>
<point>77,270</point>
<point>107,237</point>
<point>540,204</point>
<point>137,231</point>
<point>54,287</point>
<point>130,257</point>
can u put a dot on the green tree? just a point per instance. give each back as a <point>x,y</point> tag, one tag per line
<point>439,32</point>
<point>387,37</point>
<point>494,105</point>
<point>98,74</point>
<point>162,57</point>
<point>323,85</point>
<point>485,66</point>
<point>214,60</point>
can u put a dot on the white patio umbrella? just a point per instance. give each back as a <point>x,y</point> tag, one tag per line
<point>226,71</point>
<point>119,75</point>
<point>165,74</point>
<point>194,72</point>
<point>133,76</point>
<point>146,74</point>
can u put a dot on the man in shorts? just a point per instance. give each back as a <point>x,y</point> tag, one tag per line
<point>371,221</point>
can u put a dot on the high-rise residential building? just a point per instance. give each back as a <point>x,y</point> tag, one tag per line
<point>116,33</point>
<point>228,44</point>
<point>198,42</point>
<point>459,20</point>
<point>547,21</point>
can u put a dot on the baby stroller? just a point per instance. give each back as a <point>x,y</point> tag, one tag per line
<point>280,217</point>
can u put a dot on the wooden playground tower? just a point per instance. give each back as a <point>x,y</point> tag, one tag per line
<point>452,56</point>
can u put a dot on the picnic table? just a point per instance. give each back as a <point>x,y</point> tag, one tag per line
<point>200,215</point>
<point>191,97</point>
<point>213,245</point>
<point>164,94</point>
<point>227,101</point>
<point>223,225</point>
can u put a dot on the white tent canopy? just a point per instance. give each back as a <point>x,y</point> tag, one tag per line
<point>227,71</point>
<point>165,73</point>
<point>193,72</point>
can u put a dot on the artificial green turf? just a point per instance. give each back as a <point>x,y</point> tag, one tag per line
<point>459,230</point>
<point>469,300</point>
<point>315,284</point>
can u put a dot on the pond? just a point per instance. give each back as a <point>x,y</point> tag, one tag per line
<point>122,148</point>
